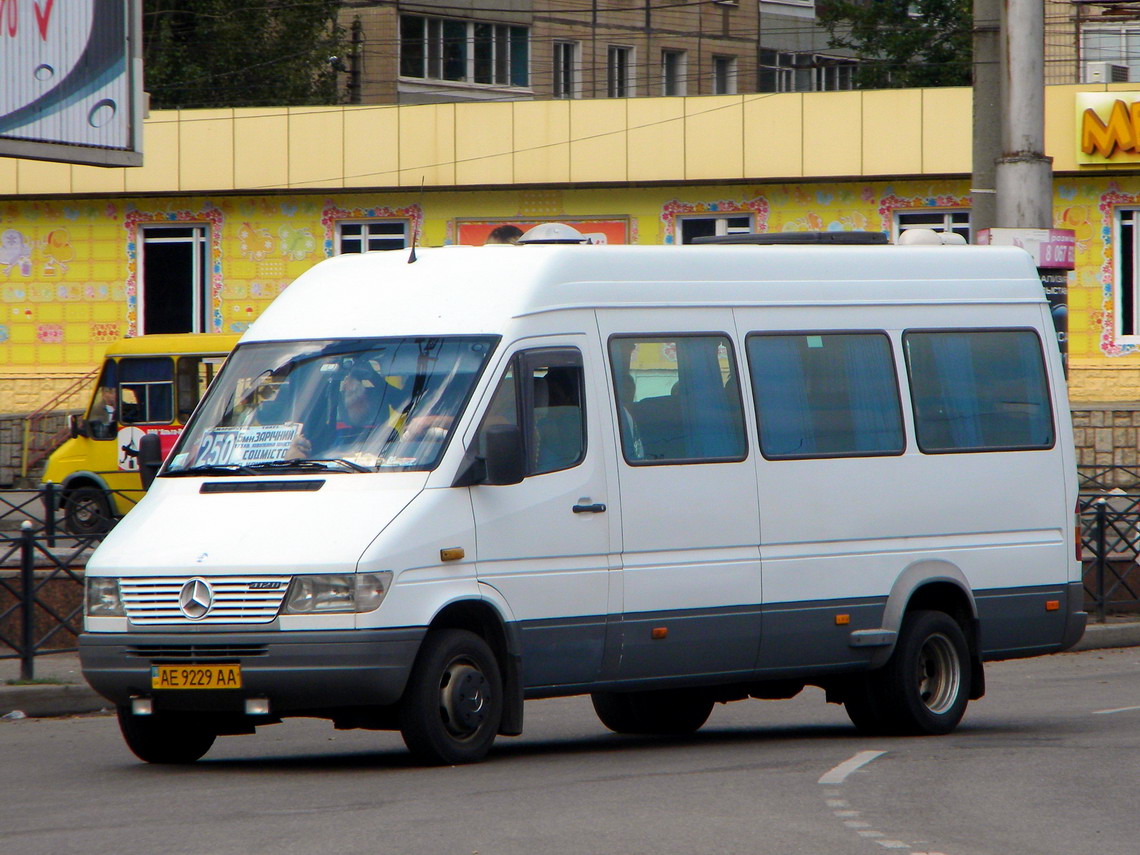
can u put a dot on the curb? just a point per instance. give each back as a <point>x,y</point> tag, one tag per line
<point>48,701</point>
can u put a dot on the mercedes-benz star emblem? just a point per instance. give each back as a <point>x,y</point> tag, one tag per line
<point>195,599</point>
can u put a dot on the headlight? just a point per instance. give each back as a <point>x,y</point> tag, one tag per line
<point>103,598</point>
<point>339,593</point>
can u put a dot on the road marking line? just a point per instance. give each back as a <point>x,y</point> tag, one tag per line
<point>839,774</point>
<point>1118,709</point>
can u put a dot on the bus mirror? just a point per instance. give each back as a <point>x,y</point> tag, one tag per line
<point>506,459</point>
<point>77,425</point>
<point>150,458</point>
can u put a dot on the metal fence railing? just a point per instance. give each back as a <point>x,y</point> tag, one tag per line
<point>41,578</point>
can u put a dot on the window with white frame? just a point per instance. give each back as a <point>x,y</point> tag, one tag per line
<point>174,275</point>
<point>1116,44</point>
<point>371,235</point>
<point>1127,272</point>
<point>724,75</point>
<point>565,70</point>
<point>464,51</point>
<point>781,71</point>
<point>674,73</point>
<point>957,221</point>
<point>619,68</point>
<point>694,227</point>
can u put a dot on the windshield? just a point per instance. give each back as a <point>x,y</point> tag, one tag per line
<point>359,405</point>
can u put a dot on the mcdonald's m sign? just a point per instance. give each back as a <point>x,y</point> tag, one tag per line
<point>1108,127</point>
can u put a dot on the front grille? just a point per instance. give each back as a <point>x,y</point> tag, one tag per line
<point>195,654</point>
<point>236,599</point>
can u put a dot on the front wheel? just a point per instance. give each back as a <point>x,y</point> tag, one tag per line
<point>87,511</point>
<point>453,703</point>
<point>166,738</point>
<point>925,685</point>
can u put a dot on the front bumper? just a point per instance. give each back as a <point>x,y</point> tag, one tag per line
<point>299,672</point>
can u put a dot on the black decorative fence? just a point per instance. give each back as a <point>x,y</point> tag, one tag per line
<point>41,576</point>
<point>1110,538</point>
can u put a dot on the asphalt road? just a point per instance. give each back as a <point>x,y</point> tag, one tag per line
<point>1045,764</point>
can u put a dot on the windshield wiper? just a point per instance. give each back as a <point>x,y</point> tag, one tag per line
<point>211,469</point>
<point>311,463</point>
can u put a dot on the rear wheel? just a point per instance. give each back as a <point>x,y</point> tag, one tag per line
<point>453,703</point>
<point>87,511</point>
<point>667,711</point>
<point>924,687</point>
<point>166,738</point>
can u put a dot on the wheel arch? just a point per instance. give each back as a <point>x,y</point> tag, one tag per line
<point>483,619</point>
<point>937,586</point>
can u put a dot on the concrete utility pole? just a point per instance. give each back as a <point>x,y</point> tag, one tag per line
<point>1024,174</point>
<point>987,113</point>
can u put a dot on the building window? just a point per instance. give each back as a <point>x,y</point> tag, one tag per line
<point>804,72</point>
<point>1127,278</point>
<point>464,51</point>
<point>724,75</point>
<point>1103,47</point>
<point>673,73</point>
<point>174,292</point>
<point>694,227</point>
<point>565,70</point>
<point>371,236</point>
<point>957,222</point>
<point>618,69</point>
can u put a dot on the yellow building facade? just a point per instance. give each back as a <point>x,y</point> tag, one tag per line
<point>272,191</point>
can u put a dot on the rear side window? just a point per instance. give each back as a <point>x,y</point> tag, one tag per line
<point>979,390</point>
<point>825,395</point>
<point>678,399</point>
<point>146,390</point>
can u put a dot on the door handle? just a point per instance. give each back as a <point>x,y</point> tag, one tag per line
<point>597,508</point>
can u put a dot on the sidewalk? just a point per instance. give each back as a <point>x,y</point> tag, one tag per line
<point>68,694</point>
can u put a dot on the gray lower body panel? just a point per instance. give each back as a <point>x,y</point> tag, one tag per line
<point>299,672</point>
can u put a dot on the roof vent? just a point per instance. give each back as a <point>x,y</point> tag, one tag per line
<point>552,233</point>
<point>929,237</point>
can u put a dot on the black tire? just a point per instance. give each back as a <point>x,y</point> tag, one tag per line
<point>87,511</point>
<point>166,738</point>
<point>924,687</point>
<point>453,702</point>
<point>675,712</point>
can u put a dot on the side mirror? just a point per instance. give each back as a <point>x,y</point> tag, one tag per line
<point>150,458</point>
<point>505,455</point>
<point>77,425</point>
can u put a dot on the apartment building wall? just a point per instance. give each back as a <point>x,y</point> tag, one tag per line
<point>576,49</point>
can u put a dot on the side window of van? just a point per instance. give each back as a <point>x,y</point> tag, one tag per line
<point>542,392</point>
<point>146,390</point>
<point>825,395</point>
<point>678,399</point>
<point>979,390</point>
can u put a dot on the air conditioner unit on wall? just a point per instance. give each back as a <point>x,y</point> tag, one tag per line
<point>1105,72</point>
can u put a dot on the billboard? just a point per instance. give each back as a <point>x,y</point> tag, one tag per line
<point>71,75</point>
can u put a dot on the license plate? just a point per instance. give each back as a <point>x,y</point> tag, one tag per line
<point>195,677</point>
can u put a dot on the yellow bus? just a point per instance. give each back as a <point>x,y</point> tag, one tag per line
<point>148,384</point>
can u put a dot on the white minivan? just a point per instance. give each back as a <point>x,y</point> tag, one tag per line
<point>425,488</point>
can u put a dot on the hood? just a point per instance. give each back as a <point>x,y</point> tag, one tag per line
<point>265,527</point>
